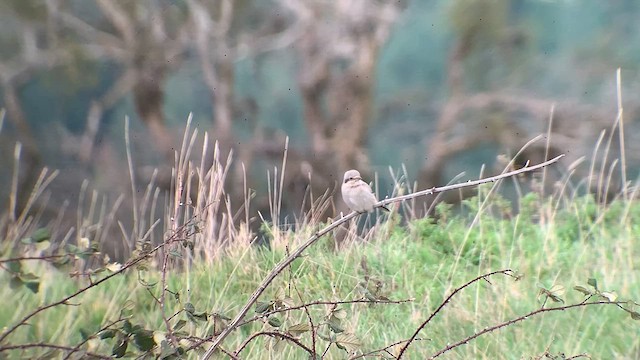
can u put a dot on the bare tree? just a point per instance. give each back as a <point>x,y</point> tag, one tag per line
<point>338,53</point>
<point>147,39</point>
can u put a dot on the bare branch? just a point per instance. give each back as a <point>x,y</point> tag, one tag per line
<point>118,18</point>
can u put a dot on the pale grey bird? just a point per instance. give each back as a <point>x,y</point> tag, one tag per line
<point>357,194</point>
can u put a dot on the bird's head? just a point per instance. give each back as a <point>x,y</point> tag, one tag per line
<point>351,175</point>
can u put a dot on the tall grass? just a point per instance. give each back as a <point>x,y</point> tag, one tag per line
<point>559,236</point>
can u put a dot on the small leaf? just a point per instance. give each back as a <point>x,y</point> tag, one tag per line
<point>298,329</point>
<point>120,348</point>
<point>335,325</point>
<point>107,334</point>
<point>15,282</point>
<point>188,307</point>
<point>127,309</point>
<point>220,316</point>
<point>583,290</point>
<point>84,334</point>
<point>114,267</point>
<point>43,245</point>
<point>609,295</point>
<point>201,316</point>
<point>275,321</point>
<point>340,314</point>
<point>13,266</point>
<point>175,254</point>
<point>593,283</point>
<point>166,350</point>
<point>143,340</point>
<point>262,307</point>
<point>179,325</point>
<point>348,342</point>
<point>41,235</point>
<point>34,286</point>
<point>127,327</point>
<point>634,315</point>
<point>27,240</point>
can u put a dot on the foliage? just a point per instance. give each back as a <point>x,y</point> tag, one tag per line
<point>362,289</point>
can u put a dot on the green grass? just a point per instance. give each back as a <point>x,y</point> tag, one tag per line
<point>423,260</point>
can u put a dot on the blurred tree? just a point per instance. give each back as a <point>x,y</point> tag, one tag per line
<point>147,39</point>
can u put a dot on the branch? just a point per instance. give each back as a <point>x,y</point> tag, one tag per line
<point>341,220</point>
<point>82,290</point>
<point>313,303</point>
<point>518,319</point>
<point>507,272</point>
<point>273,334</point>
<point>436,190</point>
<point>53,346</point>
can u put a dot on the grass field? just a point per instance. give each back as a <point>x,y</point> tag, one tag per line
<point>549,243</point>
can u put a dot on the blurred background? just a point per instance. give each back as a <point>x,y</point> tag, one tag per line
<point>428,88</point>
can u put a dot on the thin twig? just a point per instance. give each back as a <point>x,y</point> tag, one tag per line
<point>52,346</point>
<point>273,334</point>
<point>518,319</point>
<point>507,272</point>
<point>323,302</point>
<point>82,290</point>
<point>42,258</point>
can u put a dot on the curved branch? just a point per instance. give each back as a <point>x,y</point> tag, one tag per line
<point>518,319</point>
<point>339,221</point>
<point>507,272</point>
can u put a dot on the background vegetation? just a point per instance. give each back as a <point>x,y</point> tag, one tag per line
<point>280,97</point>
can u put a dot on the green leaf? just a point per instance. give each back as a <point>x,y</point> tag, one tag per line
<point>634,315</point>
<point>262,307</point>
<point>593,283</point>
<point>220,316</point>
<point>27,240</point>
<point>15,282</point>
<point>127,327</point>
<point>107,334</point>
<point>84,334</point>
<point>179,325</point>
<point>120,348</point>
<point>34,286</point>
<point>41,235</point>
<point>298,329</point>
<point>275,321</point>
<point>340,314</point>
<point>14,266</point>
<point>166,350</point>
<point>127,309</point>
<point>189,308</point>
<point>583,290</point>
<point>201,316</point>
<point>175,254</point>
<point>43,245</point>
<point>555,298</point>
<point>335,325</point>
<point>348,342</point>
<point>143,340</point>
<point>29,277</point>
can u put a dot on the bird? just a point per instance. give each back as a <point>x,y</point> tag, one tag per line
<point>357,194</point>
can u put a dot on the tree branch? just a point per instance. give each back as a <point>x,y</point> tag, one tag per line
<point>339,221</point>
